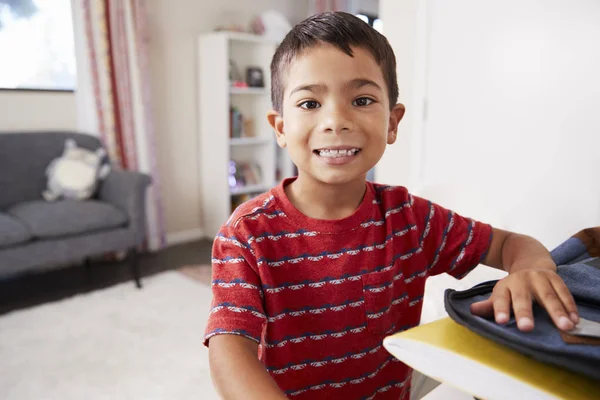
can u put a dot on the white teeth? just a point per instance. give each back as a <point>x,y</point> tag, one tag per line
<point>337,153</point>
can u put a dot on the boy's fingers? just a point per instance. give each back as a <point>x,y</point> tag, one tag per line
<point>547,296</point>
<point>501,299</point>
<point>483,308</point>
<point>522,306</point>
<point>566,298</point>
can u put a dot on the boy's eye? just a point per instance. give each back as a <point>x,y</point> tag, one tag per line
<point>362,102</point>
<point>310,104</point>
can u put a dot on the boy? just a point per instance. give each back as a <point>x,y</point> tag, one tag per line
<point>309,278</point>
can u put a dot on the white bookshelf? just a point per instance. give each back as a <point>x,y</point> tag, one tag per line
<point>216,96</point>
<point>249,91</point>
<point>249,141</point>
<point>250,189</point>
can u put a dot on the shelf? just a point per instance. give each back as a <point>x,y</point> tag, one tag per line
<point>258,149</point>
<point>249,90</point>
<point>249,141</point>
<point>250,189</point>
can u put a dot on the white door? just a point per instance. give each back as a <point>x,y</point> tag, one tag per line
<point>513,112</point>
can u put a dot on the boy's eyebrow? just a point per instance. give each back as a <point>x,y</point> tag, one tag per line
<point>311,88</point>
<point>360,82</point>
<point>353,84</point>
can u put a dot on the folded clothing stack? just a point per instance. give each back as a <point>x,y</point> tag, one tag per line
<point>545,343</point>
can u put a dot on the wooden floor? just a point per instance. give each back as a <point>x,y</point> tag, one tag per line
<point>31,290</point>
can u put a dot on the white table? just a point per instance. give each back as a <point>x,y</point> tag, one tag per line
<point>446,392</point>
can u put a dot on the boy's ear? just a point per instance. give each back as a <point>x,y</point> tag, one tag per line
<point>276,121</point>
<point>396,115</point>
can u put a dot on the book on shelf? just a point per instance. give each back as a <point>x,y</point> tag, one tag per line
<point>244,173</point>
<point>239,125</point>
<point>452,354</point>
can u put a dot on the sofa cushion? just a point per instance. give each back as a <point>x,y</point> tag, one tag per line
<point>67,217</point>
<point>12,231</point>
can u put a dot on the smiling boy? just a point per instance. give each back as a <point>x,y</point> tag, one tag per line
<point>309,278</point>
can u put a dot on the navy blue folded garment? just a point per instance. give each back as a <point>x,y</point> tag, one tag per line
<point>544,343</point>
<point>571,251</point>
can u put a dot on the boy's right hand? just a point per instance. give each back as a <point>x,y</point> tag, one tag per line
<point>236,371</point>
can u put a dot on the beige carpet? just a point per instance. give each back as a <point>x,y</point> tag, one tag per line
<point>124,343</point>
<point>116,343</point>
<point>200,273</point>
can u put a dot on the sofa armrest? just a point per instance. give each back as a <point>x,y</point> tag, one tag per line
<point>126,190</point>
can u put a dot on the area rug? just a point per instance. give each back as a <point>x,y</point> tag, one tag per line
<point>116,343</point>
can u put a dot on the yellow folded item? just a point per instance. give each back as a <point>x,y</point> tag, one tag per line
<point>451,353</point>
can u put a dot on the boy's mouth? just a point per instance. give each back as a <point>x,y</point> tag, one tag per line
<point>337,152</point>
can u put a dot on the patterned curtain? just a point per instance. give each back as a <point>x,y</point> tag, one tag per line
<point>113,93</point>
<point>321,6</point>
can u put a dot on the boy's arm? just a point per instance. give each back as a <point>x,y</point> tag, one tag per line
<point>237,319</point>
<point>532,276</point>
<point>237,372</point>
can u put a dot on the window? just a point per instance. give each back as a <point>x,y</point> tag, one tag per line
<point>372,20</point>
<point>36,45</point>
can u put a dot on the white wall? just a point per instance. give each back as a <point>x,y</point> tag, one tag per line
<point>370,7</point>
<point>401,24</point>
<point>512,126</point>
<point>37,111</point>
<point>174,29</point>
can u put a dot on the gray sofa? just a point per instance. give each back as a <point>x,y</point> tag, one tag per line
<point>38,235</point>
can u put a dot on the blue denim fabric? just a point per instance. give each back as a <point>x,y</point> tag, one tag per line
<point>570,252</point>
<point>544,343</point>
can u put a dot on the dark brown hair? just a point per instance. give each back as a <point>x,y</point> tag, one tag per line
<point>341,30</point>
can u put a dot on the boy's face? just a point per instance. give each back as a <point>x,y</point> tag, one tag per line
<point>336,118</point>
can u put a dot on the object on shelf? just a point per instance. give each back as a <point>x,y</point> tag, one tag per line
<point>234,73</point>
<point>233,174</point>
<point>248,126</point>
<point>255,77</point>
<point>256,26</point>
<point>251,173</point>
<point>272,25</point>
<point>235,123</point>
<point>238,84</point>
<point>240,126</point>
<point>244,174</point>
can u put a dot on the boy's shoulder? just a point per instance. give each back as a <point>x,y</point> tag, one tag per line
<point>252,209</point>
<point>397,202</point>
<point>385,193</point>
<point>382,188</point>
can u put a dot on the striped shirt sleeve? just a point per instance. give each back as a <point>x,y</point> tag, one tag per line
<point>450,242</point>
<point>237,305</point>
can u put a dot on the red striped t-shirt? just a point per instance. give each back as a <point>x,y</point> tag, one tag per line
<point>319,296</point>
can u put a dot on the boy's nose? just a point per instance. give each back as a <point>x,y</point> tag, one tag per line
<point>336,119</point>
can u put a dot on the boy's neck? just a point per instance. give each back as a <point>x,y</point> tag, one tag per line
<point>320,200</point>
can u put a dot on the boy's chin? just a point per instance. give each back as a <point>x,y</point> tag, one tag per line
<point>340,178</point>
